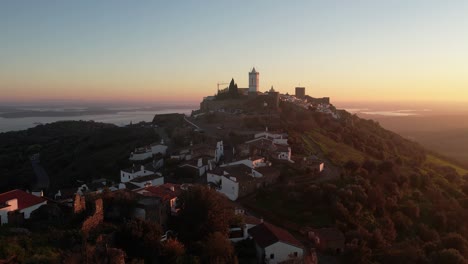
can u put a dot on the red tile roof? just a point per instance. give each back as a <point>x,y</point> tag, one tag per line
<point>162,191</point>
<point>25,199</point>
<point>266,234</point>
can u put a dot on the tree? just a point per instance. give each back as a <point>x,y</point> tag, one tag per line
<point>447,256</point>
<point>173,250</point>
<point>202,212</point>
<point>140,239</point>
<point>233,90</point>
<point>218,249</point>
<point>456,241</point>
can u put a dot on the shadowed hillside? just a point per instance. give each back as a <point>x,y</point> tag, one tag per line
<point>69,151</point>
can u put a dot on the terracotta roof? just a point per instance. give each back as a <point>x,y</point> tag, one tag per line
<point>252,220</point>
<point>25,199</point>
<point>162,191</point>
<point>266,234</point>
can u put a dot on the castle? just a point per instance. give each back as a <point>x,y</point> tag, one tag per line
<point>240,98</point>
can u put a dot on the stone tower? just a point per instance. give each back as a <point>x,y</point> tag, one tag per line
<point>253,81</point>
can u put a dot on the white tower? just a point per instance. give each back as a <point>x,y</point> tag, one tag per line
<point>253,81</point>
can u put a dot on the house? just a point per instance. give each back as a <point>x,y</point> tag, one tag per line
<point>239,233</point>
<point>147,152</point>
<point>277,138</point>
<point>168,192</point>
<point>219,151</point>
<point>283,152</point>
<point>151,209</point>
<point>252,162</point>
<point>159,148</point>
<point>275,245</point>
<point>129,174</point>
<point>148,180</point>
<point>312,164</point>
<point>141,153</point>
<point>18,201</point>
<point>260,146</point>
<point>330,240</point>
<point>239,180</point>
<point>198,166</point>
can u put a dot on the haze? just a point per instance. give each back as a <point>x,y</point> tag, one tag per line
<point>153,51</point>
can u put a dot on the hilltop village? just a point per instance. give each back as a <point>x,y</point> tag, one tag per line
<point>250,177</point>
<point>233,145</point>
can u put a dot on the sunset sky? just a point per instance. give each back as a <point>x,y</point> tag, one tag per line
<point>162,50</point>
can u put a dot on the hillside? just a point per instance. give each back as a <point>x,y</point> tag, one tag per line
<point>448,137</point>
<point>70,151</point>
<point>394,201</point>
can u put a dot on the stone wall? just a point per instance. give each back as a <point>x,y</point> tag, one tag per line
<point>79,204</point>
<point>96,219</point>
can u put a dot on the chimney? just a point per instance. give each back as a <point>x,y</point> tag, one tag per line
<point>200,162</point>
<point>172,188</point>
<point>261,220</point>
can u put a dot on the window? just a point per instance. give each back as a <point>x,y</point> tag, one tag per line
<point>295,254</point>
<point>272,256</point>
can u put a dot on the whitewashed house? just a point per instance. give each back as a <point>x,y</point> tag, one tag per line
<point>253,162</point>
<point>199,166</point>
<point>159,148</point>
<point>277,138</point>
<point>141,153</point>
<point>127,175</point>
<point>219,151</point>
<point>275,245</point>
<point>147,152</point>
<point>283,152</point>
<point>21,201</point>
<point>238,180</point>
<point>155,179</point>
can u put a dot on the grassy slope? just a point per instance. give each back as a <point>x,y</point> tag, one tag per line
<point>441,162</point>
<point>340,153</point>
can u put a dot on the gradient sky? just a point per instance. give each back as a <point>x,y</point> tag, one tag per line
<point>394,50</point>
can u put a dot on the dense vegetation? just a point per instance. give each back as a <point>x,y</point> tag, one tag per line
<point>69,151</point>
<point>394,201</point>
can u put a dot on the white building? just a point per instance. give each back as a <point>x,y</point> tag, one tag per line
<point>155,179</point>
<point>275,245</point>
<point>254,162</point>
<point>141,153</point>
<point>277,138</point>
<point>129,174</point>
<point>254,83</point>
<point>233,181</point>
<point>219,151</point>
<point>159,148</point>
<point>148,151</point>
<point>200,165</point>
<point>21,201</point>
<point>283,152</point>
